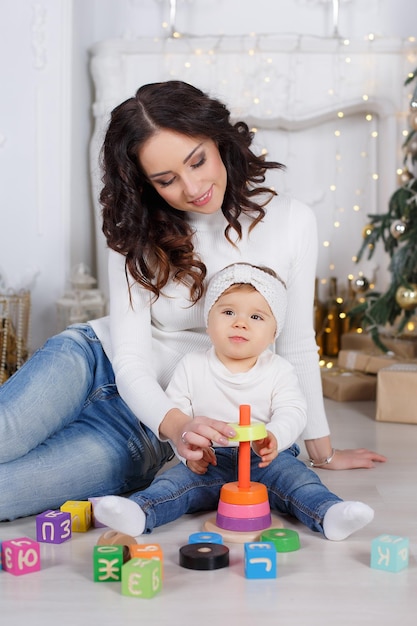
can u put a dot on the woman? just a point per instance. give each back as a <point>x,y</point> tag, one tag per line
<point>183,196</point>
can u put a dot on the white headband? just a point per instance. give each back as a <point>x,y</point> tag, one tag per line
<point>272,289</point>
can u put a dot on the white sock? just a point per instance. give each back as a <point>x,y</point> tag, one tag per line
<point>120,514</point>
<point>345,518</point>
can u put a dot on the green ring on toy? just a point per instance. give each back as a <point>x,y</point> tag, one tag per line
<point>284,539</point>
<point>252,432</point>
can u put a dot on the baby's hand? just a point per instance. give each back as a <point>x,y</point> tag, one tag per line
<point>200,466</point>
<point>266,448</point>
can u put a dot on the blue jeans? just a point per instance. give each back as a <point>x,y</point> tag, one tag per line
<point>65,433</point>
<point>293,489</point>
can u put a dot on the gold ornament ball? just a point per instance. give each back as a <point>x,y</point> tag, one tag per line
<point>367,231</point>
<point>406,297</point>
<point>360,284</point>
<point>398,228</point>
<point>412,119</point>
<point>404,177</point>
<point>411,147</point>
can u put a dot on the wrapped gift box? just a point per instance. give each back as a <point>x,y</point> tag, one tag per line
<point>346,385</point>
<point>368,362</point>
<point>404,347</point>
<point>397,394</point>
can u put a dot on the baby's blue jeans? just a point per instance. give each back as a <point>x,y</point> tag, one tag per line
<point>65,433</point>
<point>293,489</point>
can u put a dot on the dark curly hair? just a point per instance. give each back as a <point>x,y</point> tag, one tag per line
<point>155,238</point>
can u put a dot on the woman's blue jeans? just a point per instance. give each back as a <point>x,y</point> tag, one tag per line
<point>65,433</point>
<point>293,489</point>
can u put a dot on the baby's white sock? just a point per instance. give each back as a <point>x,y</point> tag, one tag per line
<point>345,518</point>
<point>120,514</point>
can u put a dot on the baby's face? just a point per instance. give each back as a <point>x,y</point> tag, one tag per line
<point>241,326</point>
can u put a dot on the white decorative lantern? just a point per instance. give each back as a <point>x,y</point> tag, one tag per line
<point>83,302</point>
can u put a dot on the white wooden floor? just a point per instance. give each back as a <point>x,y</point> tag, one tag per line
<point>323,584</point>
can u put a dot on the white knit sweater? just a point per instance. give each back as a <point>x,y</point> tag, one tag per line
<point>145,341</point>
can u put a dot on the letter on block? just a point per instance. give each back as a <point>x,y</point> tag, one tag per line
<point>142,578</point>
<point>389,553</point>
<point>53,526</point>
<point>107,562</point>
<point>260,560</point>
<point>80,514</point>
<point>21,556</point>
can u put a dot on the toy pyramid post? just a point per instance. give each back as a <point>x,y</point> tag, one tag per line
<point>243,512</point>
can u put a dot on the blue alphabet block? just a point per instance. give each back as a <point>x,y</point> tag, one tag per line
<point>260,560</point>
<point>389,553</point>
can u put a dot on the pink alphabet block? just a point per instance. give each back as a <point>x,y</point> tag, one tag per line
<point>21,556</point>
<point>53,526</point>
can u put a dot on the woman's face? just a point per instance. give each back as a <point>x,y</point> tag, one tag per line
<point>187,172</point>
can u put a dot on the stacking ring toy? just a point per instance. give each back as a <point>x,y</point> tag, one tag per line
<point>243,509</point>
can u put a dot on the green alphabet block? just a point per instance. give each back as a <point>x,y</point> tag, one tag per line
<point>142,578</point>
<point>108,561</point>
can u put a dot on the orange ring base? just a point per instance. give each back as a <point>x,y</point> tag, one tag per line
<point>231,493</point>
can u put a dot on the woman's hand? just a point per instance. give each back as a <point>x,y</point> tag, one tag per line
<point>192,436</point>
<point>354,459</point>
<point>321,449</point>
<point>266,448</point>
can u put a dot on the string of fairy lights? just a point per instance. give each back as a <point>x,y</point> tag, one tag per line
<point>257,80</point>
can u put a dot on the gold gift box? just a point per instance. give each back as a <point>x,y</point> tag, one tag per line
<point>397,394</point>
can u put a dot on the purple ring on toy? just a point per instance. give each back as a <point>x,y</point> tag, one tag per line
<point>241,524</point>
<point>243,510</point>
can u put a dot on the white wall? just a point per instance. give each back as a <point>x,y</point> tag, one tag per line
<point>45,110</point>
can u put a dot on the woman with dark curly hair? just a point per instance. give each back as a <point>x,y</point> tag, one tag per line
<point>183,196</point>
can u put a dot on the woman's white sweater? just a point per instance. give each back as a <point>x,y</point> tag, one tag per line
<point>145,340</point>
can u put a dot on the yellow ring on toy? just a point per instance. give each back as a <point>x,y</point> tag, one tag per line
<point>252,432</point>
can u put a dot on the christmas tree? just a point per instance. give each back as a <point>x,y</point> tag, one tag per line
<point>397,231</point>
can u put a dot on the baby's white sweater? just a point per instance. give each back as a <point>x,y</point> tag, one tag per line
<point>145,341</point>
<point>202,385</point>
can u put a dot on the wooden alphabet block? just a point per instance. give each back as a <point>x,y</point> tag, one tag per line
<point>80,514</point>
<point>142,578</point>
<point>53,526</point>
<point>389,553</point>
<point>147,551</point>
<point>107,563</point>
<point>21,556</point>
<point>260,560</point>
